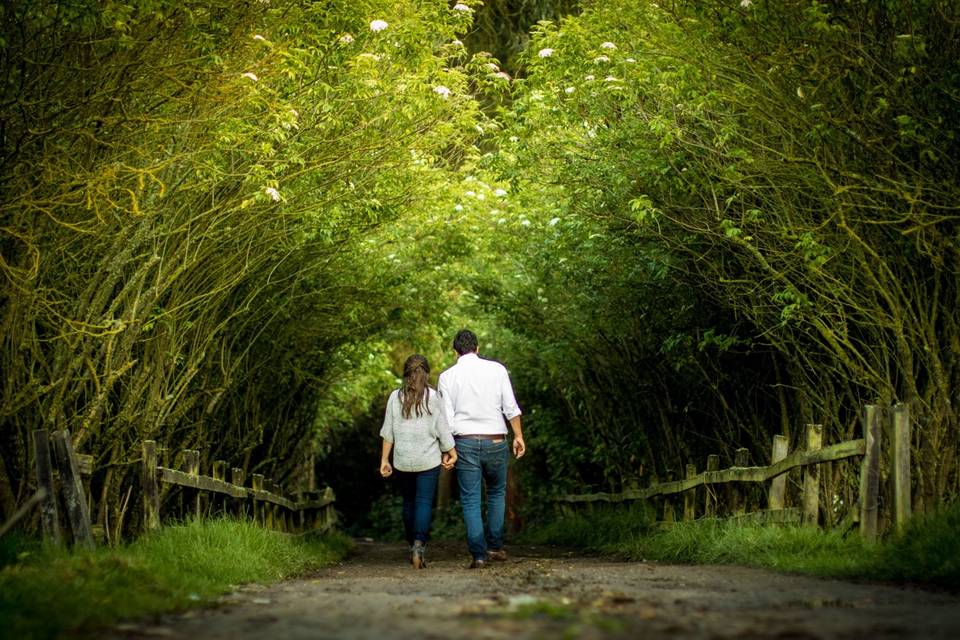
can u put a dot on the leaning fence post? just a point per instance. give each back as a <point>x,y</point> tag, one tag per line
<point>690,497</point>
<point>49,515</point>
<point>73,494</point>
<point>151,493</point>
<point>900,417</point>
<point>778,486</point>
<point>811,478</point>
<point>870,473</point>
<point>710,501</point>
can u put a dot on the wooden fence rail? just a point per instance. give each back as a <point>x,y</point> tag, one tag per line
<point>263,502</point>
<point>808,459</point>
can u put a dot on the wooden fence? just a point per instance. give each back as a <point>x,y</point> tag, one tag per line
<point>734,479</point>
<point>61,474</point>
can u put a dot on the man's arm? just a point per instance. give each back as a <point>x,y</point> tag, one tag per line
<point>519,448</point>
<point>446,399</point>
<point>508,404</point>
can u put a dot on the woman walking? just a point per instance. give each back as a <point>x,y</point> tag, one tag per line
<point>415,428</point>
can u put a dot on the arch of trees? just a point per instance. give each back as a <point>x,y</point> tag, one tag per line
<point>683,225</point>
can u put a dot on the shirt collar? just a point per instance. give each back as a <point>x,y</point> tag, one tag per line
<point>464,357</point>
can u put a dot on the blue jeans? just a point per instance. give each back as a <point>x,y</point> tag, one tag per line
<point>418,489</point>
<point>479,461</point>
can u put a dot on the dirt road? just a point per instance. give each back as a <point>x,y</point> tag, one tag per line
<point>546,593</point>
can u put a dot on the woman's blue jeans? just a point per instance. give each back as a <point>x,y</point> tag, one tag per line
<point>478,461</point>
<point>418,489</point>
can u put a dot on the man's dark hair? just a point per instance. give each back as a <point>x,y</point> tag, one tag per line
<point>465,342</point>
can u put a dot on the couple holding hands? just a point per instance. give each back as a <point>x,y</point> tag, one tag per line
<point>460,424</point>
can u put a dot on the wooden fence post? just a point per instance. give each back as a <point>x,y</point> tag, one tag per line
<point>900,417</point>
<point>690,497</point>
<point>151,492</point>
<point>778,486</point>
<point>669,515</point>
<point>49,514</point>
<point>72,486</point>
<point>811,478</point>
<point>270,509</point>
<point>329,512</point>
<point>710,501</point>
<point>219,471</point>
<point>870,473</point>
<point>239,477</point>
<point>191,466</point>
<point>257,484</point>
<point>740,489</point>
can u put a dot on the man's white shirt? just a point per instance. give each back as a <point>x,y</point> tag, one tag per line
<point>477,395</point>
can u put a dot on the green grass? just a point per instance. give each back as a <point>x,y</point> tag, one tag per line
<point>928,551</point>
<point>48,593</point>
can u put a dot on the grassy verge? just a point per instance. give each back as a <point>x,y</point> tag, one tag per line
<point>47,593</point>
<point>928,551</point>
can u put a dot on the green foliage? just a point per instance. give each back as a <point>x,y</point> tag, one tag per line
<point>726,221</point>
<point>598,529</point>
<point>925,552</point>
<point>792,549</point>
<point>928,550</point>
<point>50,592</point>
<point>196,206</point>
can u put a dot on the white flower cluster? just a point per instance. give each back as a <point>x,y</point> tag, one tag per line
<point>251,75</point>
<point>346,39</point>
<point>462,7</point>
<point>442,91</point>
<point>545,53</point>
<point>273,193</point>
<point>378,25</point>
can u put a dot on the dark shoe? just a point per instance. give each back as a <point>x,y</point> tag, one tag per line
<point>497,555</point>
<point>416,555</point>
<point>478,563</point>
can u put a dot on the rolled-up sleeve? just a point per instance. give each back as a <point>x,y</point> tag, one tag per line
<point>386,432</point>
<point>508,402</point>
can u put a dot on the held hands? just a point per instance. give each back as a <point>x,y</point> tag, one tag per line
<point>519,448</point>
<point>385,468</point>
<point>448,459</point>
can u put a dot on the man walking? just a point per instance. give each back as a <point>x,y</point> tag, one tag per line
<point>478,396</point>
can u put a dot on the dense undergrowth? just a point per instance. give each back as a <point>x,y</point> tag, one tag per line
<point>927,551</point>
<point>46,593</point>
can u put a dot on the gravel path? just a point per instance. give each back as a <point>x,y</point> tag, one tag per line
<point>548,593</point>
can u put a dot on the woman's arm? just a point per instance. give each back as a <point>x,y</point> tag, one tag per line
<point>387,434</point>
<point>385,468</point>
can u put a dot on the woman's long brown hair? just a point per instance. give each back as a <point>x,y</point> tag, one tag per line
<point>413,391</point>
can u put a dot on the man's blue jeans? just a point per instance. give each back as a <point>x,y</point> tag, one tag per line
<point>418,489</point>
<point>478,461</point>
